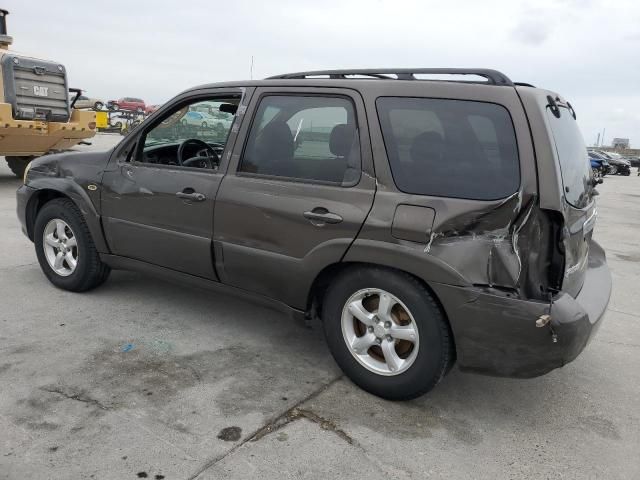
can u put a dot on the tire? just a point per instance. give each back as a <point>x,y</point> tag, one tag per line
<point>626,173</point>
<point>140,110</point>
<point>18,165</point>
<point>98,106</point>
<point>431,353</point>
<point>89,271</point>
<point>204,125</point>
<point>613,170</point>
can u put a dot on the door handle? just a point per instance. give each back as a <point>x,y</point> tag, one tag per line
<point>195,196</point>
<point>320,215</point>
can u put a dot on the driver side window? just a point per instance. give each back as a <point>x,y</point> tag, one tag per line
<point>192,135</point>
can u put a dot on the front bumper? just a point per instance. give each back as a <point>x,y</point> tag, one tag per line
<point>23,195</point>
<point>496,333</point>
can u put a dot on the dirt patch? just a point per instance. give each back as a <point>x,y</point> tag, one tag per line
<point>230,434</point>
<point>600,426</point>
<point>634,257</point>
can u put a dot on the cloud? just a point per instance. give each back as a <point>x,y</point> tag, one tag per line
<point>532,30</point>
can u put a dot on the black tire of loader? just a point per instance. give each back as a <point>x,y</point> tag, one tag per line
<point>18,164</point>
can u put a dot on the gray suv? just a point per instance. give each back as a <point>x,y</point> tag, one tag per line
<point>426,222</point>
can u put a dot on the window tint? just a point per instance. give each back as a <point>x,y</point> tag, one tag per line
<point>307,138</point>
<point>572,156</point>
<point>450,148</point>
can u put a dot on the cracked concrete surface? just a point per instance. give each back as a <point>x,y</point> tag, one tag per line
<point>145,377</point>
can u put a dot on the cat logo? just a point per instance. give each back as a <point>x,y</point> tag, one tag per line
<point>39,91</point>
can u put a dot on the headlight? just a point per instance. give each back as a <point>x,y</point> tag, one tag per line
<point>26,172</point>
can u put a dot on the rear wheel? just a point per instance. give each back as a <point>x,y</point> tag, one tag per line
<point>65,249</point>
<point>386,332</point>
<point>18,164</point>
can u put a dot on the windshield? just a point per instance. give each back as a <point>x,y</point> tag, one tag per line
<point>573,158</point>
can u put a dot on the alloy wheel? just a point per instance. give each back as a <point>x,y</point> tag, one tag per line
<point>60,247</point>
<point>380,331</point>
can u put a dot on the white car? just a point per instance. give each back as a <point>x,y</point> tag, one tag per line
<point>204,120</point>
<point>86,102</point>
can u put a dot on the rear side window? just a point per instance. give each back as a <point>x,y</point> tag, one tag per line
<point>572,156</point>
<point>450,148</point>
<point>306,138</point>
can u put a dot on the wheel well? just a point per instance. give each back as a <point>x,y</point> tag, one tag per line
<point>37,201</point>
<point>323,280</point>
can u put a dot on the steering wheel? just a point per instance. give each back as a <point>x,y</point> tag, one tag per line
<point>202,162</point>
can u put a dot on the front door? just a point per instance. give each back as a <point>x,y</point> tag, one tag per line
<point>158,200</point>
<point>298,190</point>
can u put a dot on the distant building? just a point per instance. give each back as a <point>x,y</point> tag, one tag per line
<point>620,143</point>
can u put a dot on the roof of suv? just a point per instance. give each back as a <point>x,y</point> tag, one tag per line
<point>347,77</point>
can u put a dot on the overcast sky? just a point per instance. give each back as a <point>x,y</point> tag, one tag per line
<point>587,50</point>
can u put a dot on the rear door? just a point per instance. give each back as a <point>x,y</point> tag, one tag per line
<point>579,209</point>
<point>298,190</point>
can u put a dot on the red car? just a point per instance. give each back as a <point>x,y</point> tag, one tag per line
<point>150,109</point>
<point>131,104</point>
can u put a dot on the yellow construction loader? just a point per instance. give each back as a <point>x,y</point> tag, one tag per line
<point>36,112</point>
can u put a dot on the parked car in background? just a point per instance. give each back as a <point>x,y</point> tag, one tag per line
<point>88,102</point>
<point>617,164</point>
<point>633,160</point>
<point>149,109</point>
<point>132,104</point>
<point>599,164</point>
<point>205,120</point>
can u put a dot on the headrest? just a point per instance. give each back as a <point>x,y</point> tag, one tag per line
<point>275,142</point>
<point>341,139</point>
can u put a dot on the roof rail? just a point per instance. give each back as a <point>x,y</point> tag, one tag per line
<point>493,77</point>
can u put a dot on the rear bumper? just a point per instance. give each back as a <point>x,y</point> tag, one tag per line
<point>496,334</point>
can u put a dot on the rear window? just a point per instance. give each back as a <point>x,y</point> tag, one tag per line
<point>572,156</point>
<point>450,148</point>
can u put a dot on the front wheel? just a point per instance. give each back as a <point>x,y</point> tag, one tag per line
<point>387,333</point>
<point>65,249</point>
<point>613,170</point>
<point>98,106</point>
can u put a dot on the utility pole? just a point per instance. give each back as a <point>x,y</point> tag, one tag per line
<point>598,140</point>
<point>251,68</point>
<point>603,130</point>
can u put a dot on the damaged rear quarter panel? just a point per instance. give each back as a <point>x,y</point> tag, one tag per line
<point>472,242</point>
